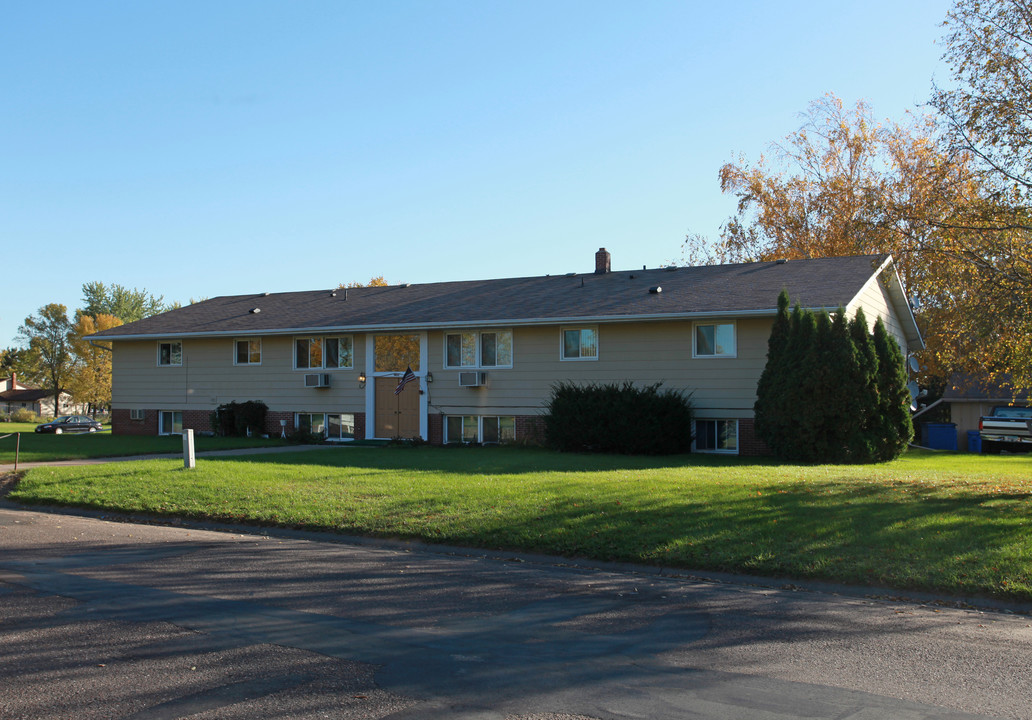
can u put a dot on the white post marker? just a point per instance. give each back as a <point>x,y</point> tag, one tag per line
<point>188,449</point>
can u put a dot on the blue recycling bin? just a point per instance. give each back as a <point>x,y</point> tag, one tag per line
<point>974,441</point>
<point>940,436</point>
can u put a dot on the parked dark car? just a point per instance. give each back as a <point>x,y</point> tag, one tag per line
<point>70,424</point>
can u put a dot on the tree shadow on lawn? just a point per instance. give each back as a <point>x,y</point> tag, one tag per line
<point>499,460</point>
<point>818,530</point>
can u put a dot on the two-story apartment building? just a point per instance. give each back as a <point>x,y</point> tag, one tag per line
<point>485,354</point>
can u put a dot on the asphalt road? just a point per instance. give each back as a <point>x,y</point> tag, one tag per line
<point>106,619</point>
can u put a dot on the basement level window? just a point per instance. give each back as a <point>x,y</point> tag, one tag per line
<point>716,436</point>
<point>488,429</point>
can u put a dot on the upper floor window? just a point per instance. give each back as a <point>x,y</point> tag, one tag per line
<point>580,343</point>
<point>170,353</point>
<point>318,352</point>
<point>248,352</point>
<point>484,349</point>
<point>715,340</point>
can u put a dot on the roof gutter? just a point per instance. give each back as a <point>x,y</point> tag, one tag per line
<point>521,322</point>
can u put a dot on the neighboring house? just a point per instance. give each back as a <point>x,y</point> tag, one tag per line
<point>15,396</point>
<point>970,398</point>
<point>484,354</point>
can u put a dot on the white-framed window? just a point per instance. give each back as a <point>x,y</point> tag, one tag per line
<point>136,414</point>
<point>481,429</point>
<point>579,343</point>
<point>717,436</point>
<point>339,352</point>
<point>170,422</point>
<point>247,351</point>
<point>485,349</point>
<point>170,353</point>
<point>312,353</point>
<point>715,340</point>
<point>332,426</point>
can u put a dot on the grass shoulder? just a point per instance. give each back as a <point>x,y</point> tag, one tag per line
<point>41,447</point>
<point>929,521</point>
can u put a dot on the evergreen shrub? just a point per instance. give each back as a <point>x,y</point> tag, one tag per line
<point>619,418</point>
<point>832,391</point>
<point>235,419</point>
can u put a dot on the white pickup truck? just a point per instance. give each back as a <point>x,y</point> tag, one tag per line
<point>1007,428</point>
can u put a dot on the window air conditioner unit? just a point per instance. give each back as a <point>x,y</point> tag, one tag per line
<point>317,380</point>
<point>472,379</point>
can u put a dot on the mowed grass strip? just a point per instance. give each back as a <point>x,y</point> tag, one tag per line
<point>44,447</point>
<point>941,522</point>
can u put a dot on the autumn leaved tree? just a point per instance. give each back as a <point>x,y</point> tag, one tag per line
<point>986,113</point>
<point>845,184</point>
<point>90,377</point>
<point>47,357</point>
<point>377,281</point>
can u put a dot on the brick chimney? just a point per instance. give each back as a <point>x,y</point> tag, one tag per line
<point>14,381</point>
<point>602,261</point>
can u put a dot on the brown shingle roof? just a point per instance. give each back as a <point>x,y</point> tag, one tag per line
<point>750,288</point>
<point>25,395</point>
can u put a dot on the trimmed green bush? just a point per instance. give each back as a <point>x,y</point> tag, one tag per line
<point>235,419</point>
<point>619,418</point>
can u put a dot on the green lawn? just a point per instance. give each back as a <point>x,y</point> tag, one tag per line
<point>930,521</point>
<point>41,447</point>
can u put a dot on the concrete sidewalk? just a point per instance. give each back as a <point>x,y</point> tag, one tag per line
<point>169,456</point>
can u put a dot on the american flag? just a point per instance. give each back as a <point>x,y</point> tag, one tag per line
<point>408,377</point>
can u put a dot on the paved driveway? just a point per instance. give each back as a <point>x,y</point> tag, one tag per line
<point>114,620</point>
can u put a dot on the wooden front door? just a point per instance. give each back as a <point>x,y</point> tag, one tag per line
<point>397,416</point>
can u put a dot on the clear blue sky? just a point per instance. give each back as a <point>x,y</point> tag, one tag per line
<point>210,148</point>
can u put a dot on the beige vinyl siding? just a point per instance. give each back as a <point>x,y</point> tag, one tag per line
<point>208,378</point>
<point>644,352</point>
<point>876,302</point>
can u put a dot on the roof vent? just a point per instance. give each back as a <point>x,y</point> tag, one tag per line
<point>655,290</point>
<point>266,294</point>
<point>405,285</point>
<point>333,293</point>
<point>781,261</point>
<point>255,311</point>
<point>668,268</point>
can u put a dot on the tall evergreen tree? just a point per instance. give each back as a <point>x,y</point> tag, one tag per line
<point>770,389</point>
<point>865,388</point>
<point>892,418</point>
<point>821,397</point>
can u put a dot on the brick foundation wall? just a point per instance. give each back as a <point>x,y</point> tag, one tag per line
<point>530,429</point>
<point>122,425</point>
<point>748,444</point>
<point>197,420</point>
<point>435,429</point>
